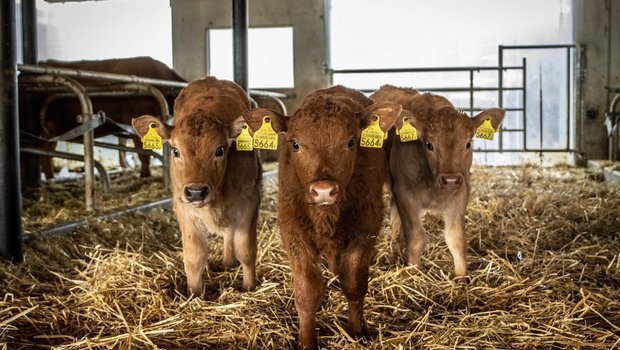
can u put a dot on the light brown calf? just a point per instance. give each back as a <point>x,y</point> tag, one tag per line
<point>215,188</point>
<point>433,172</point>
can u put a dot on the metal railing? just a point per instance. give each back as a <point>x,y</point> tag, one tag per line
<point>471,87</point>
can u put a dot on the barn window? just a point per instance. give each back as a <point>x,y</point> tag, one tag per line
<point>270,56</point>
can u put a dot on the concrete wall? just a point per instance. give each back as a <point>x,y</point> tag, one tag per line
<point>192,18</point>
<point>596,31</point>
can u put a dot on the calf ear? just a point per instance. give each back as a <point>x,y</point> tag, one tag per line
<point>234,128</point>
<point>407,116</point>
<point>254,118</point>
<point>495,115</point>
<point>388,113</point>
<point>141,125</point>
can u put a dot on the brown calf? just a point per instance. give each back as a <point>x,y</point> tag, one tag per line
<point>329,201</point>
<point>60,115</point>
<point>215,188</point>
<point>432,172</point>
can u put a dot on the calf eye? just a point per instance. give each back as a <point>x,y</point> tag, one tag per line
<point>429,146</point>
<point>176,152</point>
<point>219,151</point>
<point>351,142</point>
<point>295,146</point>
<point>468,145</point>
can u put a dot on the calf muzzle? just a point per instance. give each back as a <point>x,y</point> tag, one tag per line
<point>450,182</point>
<point>195,193</point>
<point>323,192</point>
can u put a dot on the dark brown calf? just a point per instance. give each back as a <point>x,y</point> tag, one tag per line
<point>432,172</point>
<point>215,188</point>
<point>60,115</point>
<point>329,197</point>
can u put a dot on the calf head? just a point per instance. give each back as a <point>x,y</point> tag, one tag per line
<point>446,135</point>
<point>321,143</point>
<point>200,146</point>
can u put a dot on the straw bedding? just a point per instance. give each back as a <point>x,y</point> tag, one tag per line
<point>543,254</point>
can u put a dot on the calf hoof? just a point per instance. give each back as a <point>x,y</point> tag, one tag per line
<point>359,332</point>
<point>229,264</point>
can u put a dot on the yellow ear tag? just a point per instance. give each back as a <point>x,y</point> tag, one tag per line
<point>151,140</point>
<point>372,135</point>
<point>407,132</point>
<point>265,137</point>
<point>385,135</point>
<point>485,131</point>
<point>244,140</point>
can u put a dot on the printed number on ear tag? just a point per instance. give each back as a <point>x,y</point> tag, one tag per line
<point>151,140</point>
<point>372,136</point>
<point>485,131</point>
<point>265,137</point>
<point>244,140</point>
<point>407,132</point>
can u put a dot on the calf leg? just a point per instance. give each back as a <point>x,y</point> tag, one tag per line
<point>145,160</point>
<point>229,251</point>
<point>397,236</point>
<point>355,262</point>
<point>309,290</point>
<point>245,250</point>
<point>47,163</point>
<point>122,162</point>
<point>195,254</point>
<point>415,237</point>
<point>456,241</point>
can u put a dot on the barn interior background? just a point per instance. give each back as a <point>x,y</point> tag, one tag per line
<point>92,266</point>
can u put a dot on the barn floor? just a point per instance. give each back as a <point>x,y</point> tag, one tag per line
<point>544,255</point>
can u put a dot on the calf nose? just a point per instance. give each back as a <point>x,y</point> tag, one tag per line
<point>195,193</point>
<point>450,181</point>
<point>323,192</point>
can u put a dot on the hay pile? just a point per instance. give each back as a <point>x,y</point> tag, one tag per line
<point>543,254</point>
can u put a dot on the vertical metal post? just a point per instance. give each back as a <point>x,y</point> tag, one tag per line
<point>31,124</point>
<point>568,100</point>
<point>471,92</point>
<point>500,89</point>
<point>29,31</point>
<point>240,42</point>
<point>10,200</point>
<point>540,108</point>
<point>524,104</point>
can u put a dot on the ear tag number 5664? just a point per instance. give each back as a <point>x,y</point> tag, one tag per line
<point>265,137</point>
<point>372,135</point>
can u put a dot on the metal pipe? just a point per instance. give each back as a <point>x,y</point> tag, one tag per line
<point>31,163</point>
<point>105,178</point>
<point>71,227</point>
<point>537,47</point>
<point>240,42</point>
<point>524,97</point>
<point>568,100</point>
<point>10,198</point>
<point>471,92</point>
<point>129,149</point>
<point>500,88</point>
<point>78,73</point>
<point>420,70</point>
<point>613,138</point>
<point>68,228</point>
<point>87,115</point>
<point>29,31</point>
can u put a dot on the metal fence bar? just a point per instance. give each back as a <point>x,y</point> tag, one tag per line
<point>418,70</point>
<point>524,103</point>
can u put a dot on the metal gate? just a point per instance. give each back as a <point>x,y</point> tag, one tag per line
<point>539,117</point>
